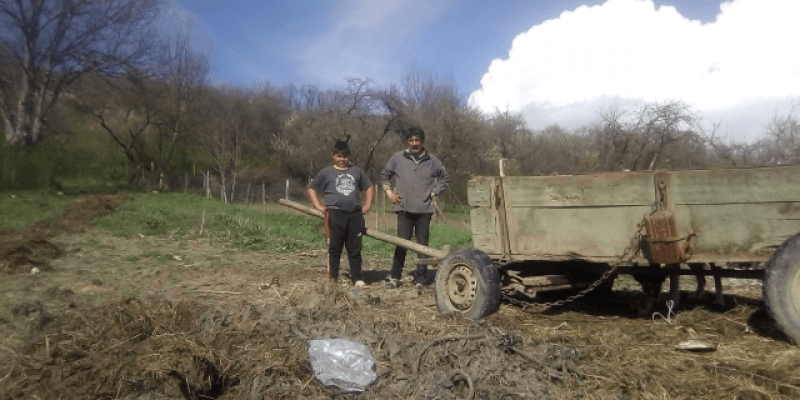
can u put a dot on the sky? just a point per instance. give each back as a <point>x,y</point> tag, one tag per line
<point>555,62</point>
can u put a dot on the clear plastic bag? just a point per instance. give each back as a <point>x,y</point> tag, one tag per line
<point>342,363</point>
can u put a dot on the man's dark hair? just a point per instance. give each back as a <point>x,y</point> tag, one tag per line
<point>414,131</point>
<point>341,147</point>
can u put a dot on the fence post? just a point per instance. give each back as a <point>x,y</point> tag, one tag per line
<point>287,189</point>
<point>186,183</point>
<point>264,195</point>
<point>247,197</point>
<point>207,183</point>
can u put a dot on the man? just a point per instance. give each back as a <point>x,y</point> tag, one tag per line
<point>419,177</point>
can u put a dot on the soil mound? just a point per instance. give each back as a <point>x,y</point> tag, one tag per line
<point>22,251</point>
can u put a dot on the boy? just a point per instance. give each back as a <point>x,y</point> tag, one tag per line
<point>341,184</point>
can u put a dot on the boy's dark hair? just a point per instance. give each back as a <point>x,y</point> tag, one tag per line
<point>341,147</point>
<point>414,130</point>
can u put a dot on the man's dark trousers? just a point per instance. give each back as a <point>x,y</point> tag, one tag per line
<point>411,224</point>
<point>346,231</point>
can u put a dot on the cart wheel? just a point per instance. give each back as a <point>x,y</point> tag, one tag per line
<point>467,282</point>
<point>782,287</point>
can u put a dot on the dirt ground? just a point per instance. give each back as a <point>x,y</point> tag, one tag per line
<point>85,315</point>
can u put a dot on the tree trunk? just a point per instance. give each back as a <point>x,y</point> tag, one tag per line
<point>207,182</point>
<point>222,193</point>
<point>233,185</point>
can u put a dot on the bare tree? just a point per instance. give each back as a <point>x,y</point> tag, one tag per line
<point>180,77</point>
<point>783,133</point>
<point>639,138</point>
<point>54,42</point>
<point>506,127</point>
<point>126,111</point>
<point>360,114</point>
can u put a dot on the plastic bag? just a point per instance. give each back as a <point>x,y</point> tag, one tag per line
<point>342,363</point>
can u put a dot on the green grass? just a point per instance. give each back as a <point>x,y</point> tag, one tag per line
<point>86,186</point>
<point>20,209</point>
<point>181,215</point>
<point>159,258</point>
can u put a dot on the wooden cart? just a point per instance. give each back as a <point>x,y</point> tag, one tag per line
<point>554,232</point>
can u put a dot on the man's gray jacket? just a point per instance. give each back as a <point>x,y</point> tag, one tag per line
<point>415,180</point>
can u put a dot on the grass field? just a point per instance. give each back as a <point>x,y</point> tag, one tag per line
<point>20,209</point>
<point>258,227</point>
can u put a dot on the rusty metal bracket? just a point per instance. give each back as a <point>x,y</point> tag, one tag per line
<point>663,181</point>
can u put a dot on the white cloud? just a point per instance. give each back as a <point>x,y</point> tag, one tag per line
<point>175,18</point>
<point>628,51</point>
<point>366,34</point>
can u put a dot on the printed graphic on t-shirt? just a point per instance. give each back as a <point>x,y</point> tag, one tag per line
<point>345,184</point>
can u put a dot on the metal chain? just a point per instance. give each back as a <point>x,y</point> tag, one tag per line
<point>629,253</point>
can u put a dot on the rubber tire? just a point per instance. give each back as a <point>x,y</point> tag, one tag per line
<point>782,287</point>
<point>487,296</point>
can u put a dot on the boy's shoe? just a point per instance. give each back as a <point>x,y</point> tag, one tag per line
<point>359,283</point>
<point>392,284</point>
<point>420,286</point>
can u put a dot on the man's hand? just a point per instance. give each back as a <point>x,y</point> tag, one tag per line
<point>394,198</point>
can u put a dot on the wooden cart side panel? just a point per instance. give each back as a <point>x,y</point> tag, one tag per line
<point>738,229</point>
<point>736,212</point>
<point>484,218</point>
<point>753,185</point>
<point>581,216</point>
<point>480,191</point>
<point>609,189</point>
<point>576,232</point>
<point>484,232</point>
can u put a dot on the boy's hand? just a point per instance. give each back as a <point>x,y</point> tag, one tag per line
<point>365,209</point>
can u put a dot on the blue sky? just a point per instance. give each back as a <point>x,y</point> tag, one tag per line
<point>553,61</point>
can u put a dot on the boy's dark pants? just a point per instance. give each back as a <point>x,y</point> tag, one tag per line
<point>346,231</point>
<point>408,224</point>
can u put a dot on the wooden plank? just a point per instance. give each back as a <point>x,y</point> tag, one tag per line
<point>484,218</point>
<point>610,189</point>
<point>503,212</point>
<point>738,229</point>
<point>726,186</point>
<point>487,244</point>
<point>480,191</point>
<point>574,232</point>
<point>482,222</point>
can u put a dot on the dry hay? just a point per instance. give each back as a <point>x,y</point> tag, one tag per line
<point>195,350</point>
<point>201,349</point>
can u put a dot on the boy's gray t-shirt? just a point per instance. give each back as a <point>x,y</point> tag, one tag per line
<point>341,187</point>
